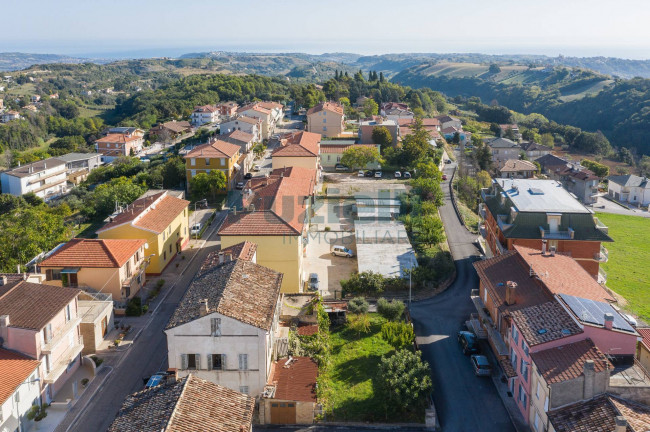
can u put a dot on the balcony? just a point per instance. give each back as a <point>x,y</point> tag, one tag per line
<point>557,235</point>
<point>601,226</point>
<point>49,346</point>
<point>492,333</point>
<point>602,276</point>
<point>64,360</point>
<point>603,255</point>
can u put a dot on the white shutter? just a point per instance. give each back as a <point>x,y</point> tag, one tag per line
<point>209,361</point>
<point>183,361</point>
<point>243,361</point>
<point>198,361</point>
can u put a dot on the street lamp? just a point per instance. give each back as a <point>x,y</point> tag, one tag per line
<point>409,270</point>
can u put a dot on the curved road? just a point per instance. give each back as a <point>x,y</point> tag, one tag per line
<point>463,401</point>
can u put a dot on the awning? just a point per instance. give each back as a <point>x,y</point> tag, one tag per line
<point>71,270</point>
<point>237,167</point>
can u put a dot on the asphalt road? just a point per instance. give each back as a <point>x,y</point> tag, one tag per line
<point>464,402</point>
<point>146,356</point>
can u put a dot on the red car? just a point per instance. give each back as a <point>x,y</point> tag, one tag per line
<point>444,176</point>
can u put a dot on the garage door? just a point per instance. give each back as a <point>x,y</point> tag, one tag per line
<point>283,412</point>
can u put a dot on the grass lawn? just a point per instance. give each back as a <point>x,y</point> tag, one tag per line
<point>471,219</point>
<point>354,361</point>
<point>627,269</point>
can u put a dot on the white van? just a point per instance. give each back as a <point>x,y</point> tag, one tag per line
<point>341,251</point>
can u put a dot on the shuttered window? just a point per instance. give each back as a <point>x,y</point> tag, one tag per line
<point>215,326</point>
<point>243,361</point>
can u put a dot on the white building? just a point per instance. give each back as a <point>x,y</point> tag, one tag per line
<point>46,179</point>
<point>20,390</point>
<point>223,329</point>
<point>8,116</point>
<point>629,188</point>
<point>250,125</point>
<point>204,115</point>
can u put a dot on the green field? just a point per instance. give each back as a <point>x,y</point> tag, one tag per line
<point>627,267</point>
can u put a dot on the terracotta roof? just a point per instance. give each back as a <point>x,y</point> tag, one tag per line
<point>446,118</point>
<point>497,271</point>
<point>451,130</point>
<point>561,274</point>
<point>175,126</point>
<point>118,138</point>
<point>326,106</point>
<point>189,404</point>
<point>239,135</point>
<point>394,105</point>
<point>567,361</point>
<point>533,146</point>
<point>271,105</point>
<point>32,306</point>
<point>599,415</point>
<point>247,119</point>
<point>14,369</point>
<point>206,109</point>
<point>507,368</point>
<point>339,149</point>
<point>645,335</point>
<point>295,172</point>
<point>238,289</point>
<point>305,329</point>
<point>244,250</point>
<point>515,165</point>
<point>576,171</point>
<point>295,381</point>
<point>262,223</point>
<point>153,213</point>
<point>543,323</point>
<point>299,144</point>
<point>95,253</point>
<point>214,149</point>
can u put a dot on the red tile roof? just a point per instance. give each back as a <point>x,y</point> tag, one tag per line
<point>300,144</point>
<point>206,109</point>
<point>214,149</point>
<point>247,119</point>
<point>550,317</point>
<point>567,361</point>
<point>563,275</point>
<point>239,135</point>
<point>244,250</point>
<point>152,213</point>
<point>514,165</point>
<point>262,223</point>
<point>94,253</point>
<point>327,106</point>
<point>645,335</point>
<point>270,105</point>
<point>636,414</point>
<point>14,369</point>
<point>599,415</point>
<point>118,138</point>
<point>295,381</point>
<point>307,329</point>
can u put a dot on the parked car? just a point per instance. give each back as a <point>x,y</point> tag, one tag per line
<point>406,175</point>
<point>155,379</point>
<point>468,342</point>
<point>378,174</point>
<point>481,365</point>
<point>313,282</point>
<point>630,319</point>
<point>369,173</point>
<point>444,176</point>
<point>342,251</point>
<point>448,161</point>
<point>248,176</point>
<point>340,167</point>
<point>398,174</point>
<point>361,173</point>
<point>196,229</point>
<point>239,185</point>
<point>256,168</point>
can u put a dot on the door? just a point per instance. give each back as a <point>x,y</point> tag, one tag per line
<point>74,390</point>
<point>104,326</point>
<point>283,412</point>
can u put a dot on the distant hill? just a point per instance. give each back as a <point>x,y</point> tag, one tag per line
<point>11,61</point>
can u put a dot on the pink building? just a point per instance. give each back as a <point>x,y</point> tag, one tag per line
<point>41,322</point>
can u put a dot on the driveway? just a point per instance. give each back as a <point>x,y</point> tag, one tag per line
<point>606,206</point>
<point>464,402</point>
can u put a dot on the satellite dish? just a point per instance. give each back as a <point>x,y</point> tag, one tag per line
<point>146,245</point>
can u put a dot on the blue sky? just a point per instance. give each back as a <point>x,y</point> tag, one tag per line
<point>569,27</point>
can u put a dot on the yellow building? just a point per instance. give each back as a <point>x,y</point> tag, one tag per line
<point>301,149</point>
<point>277,215</point>
<point>327,119</point>
<point>216,155</point>
<point>161,220</point>
<point>110,266</point>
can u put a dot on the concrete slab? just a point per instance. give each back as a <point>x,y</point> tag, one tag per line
<point>330,269</point>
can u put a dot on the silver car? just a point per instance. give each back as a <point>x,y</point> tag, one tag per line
<point>314,282</point>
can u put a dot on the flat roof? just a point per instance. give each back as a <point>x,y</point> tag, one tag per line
<point>384,248</point>
<point>532,195</point>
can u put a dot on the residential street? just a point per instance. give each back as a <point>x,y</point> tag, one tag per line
<point>464,402</point>
<point>146,356</point>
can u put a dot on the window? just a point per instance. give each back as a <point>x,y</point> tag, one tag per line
<point>546,404</point>
<point>217,361</point>
<point>243,389</point>
<point>243,361</point>
<point>525,347</point>
<point>324,120</point>
<point>68,313</point>
<point>169,230</point>
<point>207,161</point>
<point>137,256</point>
<point>524,369</point>
<point>128,269</point>
<point>191,361</point>
<point>324,128</point>
<point>513,358</point>
<point>164,235</point>
<point>47,333</point>
<point>17,396</point>
<point>537,422</point>
<point>53,274</point>
<point>522,395</point>
<point>193,173</point>
<point>538,391</point>
<point>222,161</point>
<point>215,326</point>
<point>515,335</point>
<point>192,162</point>
<point>170,248</point>
<point>165,256</point>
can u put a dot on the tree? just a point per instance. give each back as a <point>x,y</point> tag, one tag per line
<point>483,157</point>
<point>358,305</point>
<point>644,166</point>
<point>10,202</point>
<point>621,170</point>
<point>429,230</point>
<point>405,380</point>
<point>428,169</point>
<point>416,144</point>
<point>625,155</point>
<point>357,157</point>
<point>547,140</point>
<point>363,283</point>
<point>483,179</point>
<point>391,310</point>
<point>381,77</point>
<point>381,135</point>
<point>370,108</point>
<point>509,134</point>
<point>494,68</point>
<point>456,138</point>
<point>210,184</point>
<point>120,190</point>
<point>598,169</point>
<point>495,129</point>
<point>592,142</point>
<point>428,189</point>
<point>173,172</point>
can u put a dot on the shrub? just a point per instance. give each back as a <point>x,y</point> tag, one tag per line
<point>134,307</point>
<point>98,360</point>
<point>391,310</point>
<point>37,412</point>
<point>398,334</point>
<point>84,382</point>
<point>358,305</point>
<point>360,323</point>
<point>160,283</point>
<point>363,283</point>
<point>404,379</point>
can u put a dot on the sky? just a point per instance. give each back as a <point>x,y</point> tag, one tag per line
<point>96,28</point>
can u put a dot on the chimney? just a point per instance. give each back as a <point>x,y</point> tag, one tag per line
<point>221,257</point>
<point>511,288</point>
<point>4,331</point>
<point>590,378</point>
<point>621,424</point>
<point>609,320</point>
<point>172,376</point>
<point>552,250</point>
<point>3,280</point>
<point>228,257</point>
<point>203,307</point>
<point>543,247</point>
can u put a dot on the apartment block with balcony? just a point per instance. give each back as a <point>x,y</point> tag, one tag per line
<point>541,214</point>
<point>107,266</point>
<point>205,114</point>
<point>42,322</point>
<point>46,179</point>
<point>216,155</point>
<point>19,390</point>
<point>326,119</point>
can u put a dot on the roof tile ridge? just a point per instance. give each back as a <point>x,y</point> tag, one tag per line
<point>178,402</point>
<point>10,290</point>
<point>108,251</point>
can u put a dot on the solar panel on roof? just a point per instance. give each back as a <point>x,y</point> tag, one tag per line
<point>536,191</point>
<point>593,312</point>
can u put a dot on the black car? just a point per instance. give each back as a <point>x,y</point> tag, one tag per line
<point>369,173</point>
<point>468,342</point>
<point>248,176</point>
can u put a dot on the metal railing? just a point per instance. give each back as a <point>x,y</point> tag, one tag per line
<point>603,255</point>
<point>601,226</point>
<point>559,235</point>
<point>602,276</point>
<point>49,345</point>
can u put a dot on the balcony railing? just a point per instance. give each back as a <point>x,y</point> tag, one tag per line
<point>49,346</point>
<point>603,255</point>
<point>602,276</point>
<point>481,210</point>
<point>601,226</point>
<point>64,360</point>
<point>557,235</point>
